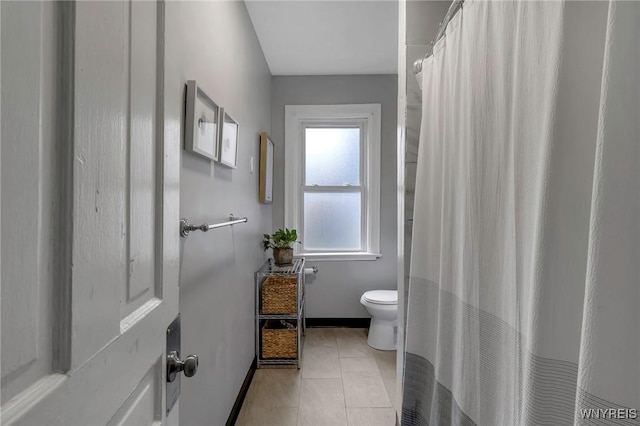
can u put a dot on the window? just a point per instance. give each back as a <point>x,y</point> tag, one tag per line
<point>332,180</point>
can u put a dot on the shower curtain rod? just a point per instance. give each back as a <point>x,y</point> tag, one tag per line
<point>456,5</point>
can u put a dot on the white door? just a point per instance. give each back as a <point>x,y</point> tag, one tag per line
<point>90,203</point>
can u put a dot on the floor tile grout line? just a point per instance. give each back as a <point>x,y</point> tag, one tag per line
<point>300,395</point>
<point>344,395</point>
<point>344,392</point>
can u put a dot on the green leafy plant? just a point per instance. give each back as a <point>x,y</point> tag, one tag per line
<point>281,239</point>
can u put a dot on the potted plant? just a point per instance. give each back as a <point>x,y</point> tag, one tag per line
<point>281,242</point>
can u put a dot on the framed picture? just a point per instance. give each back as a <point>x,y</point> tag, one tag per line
<point>228,155</point>
<point>266,169</point>
<point>201,122</point>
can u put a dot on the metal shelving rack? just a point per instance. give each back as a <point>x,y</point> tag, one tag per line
<point>269,269</point>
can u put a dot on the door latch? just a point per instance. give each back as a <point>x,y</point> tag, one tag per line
<point>189,366</point>
<point>175,365</point>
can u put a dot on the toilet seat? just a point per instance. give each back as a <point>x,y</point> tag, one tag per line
<point>381,297</point>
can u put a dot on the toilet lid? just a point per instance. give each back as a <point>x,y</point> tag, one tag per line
<point>382,297</point>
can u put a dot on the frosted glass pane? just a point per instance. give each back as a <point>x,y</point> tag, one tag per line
<point>332,221</point>
<point>332,156</point>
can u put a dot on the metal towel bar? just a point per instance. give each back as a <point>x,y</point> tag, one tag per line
<point>186,227</point>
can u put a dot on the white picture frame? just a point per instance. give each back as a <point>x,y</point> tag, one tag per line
<point>229,136</point>
<point>201,123</point>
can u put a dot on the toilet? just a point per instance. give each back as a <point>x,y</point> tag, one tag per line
<point>383,307</point>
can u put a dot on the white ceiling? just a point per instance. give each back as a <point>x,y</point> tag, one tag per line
<point>327,37</point>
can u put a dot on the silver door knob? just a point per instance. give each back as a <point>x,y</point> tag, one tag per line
<point>175,365</point>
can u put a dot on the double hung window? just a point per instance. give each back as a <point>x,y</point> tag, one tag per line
<point>332,173</point>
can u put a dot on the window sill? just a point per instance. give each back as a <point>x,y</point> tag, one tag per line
<point>339,257</point>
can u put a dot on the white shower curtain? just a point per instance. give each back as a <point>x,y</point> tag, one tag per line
<point>524,295</point>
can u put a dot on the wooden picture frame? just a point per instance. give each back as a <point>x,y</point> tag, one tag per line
<point>201,133</point>
<point>229,137</point>
<point>266,169</point>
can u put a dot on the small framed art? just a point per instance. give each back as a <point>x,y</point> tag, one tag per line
<point>201,122</point>
<point>266,169</point>
<point>229,128</point>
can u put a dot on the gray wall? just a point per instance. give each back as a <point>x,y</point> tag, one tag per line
<point>215,44</point>
<point>335,292</point>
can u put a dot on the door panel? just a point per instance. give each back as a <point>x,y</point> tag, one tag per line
<point>141,408</point>
<point>100,145</point>
<point>93,394</point>
<point>124,242</point>
<point>20,238</point>
<point>141,164</point>
<point>28,187</point>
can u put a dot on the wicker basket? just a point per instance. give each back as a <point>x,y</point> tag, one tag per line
<point>278,341</point>
<point>279,295</point>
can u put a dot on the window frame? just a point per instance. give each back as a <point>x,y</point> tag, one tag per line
<point>365,116</point>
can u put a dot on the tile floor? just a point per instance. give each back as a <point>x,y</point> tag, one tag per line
<point>342,382</point>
